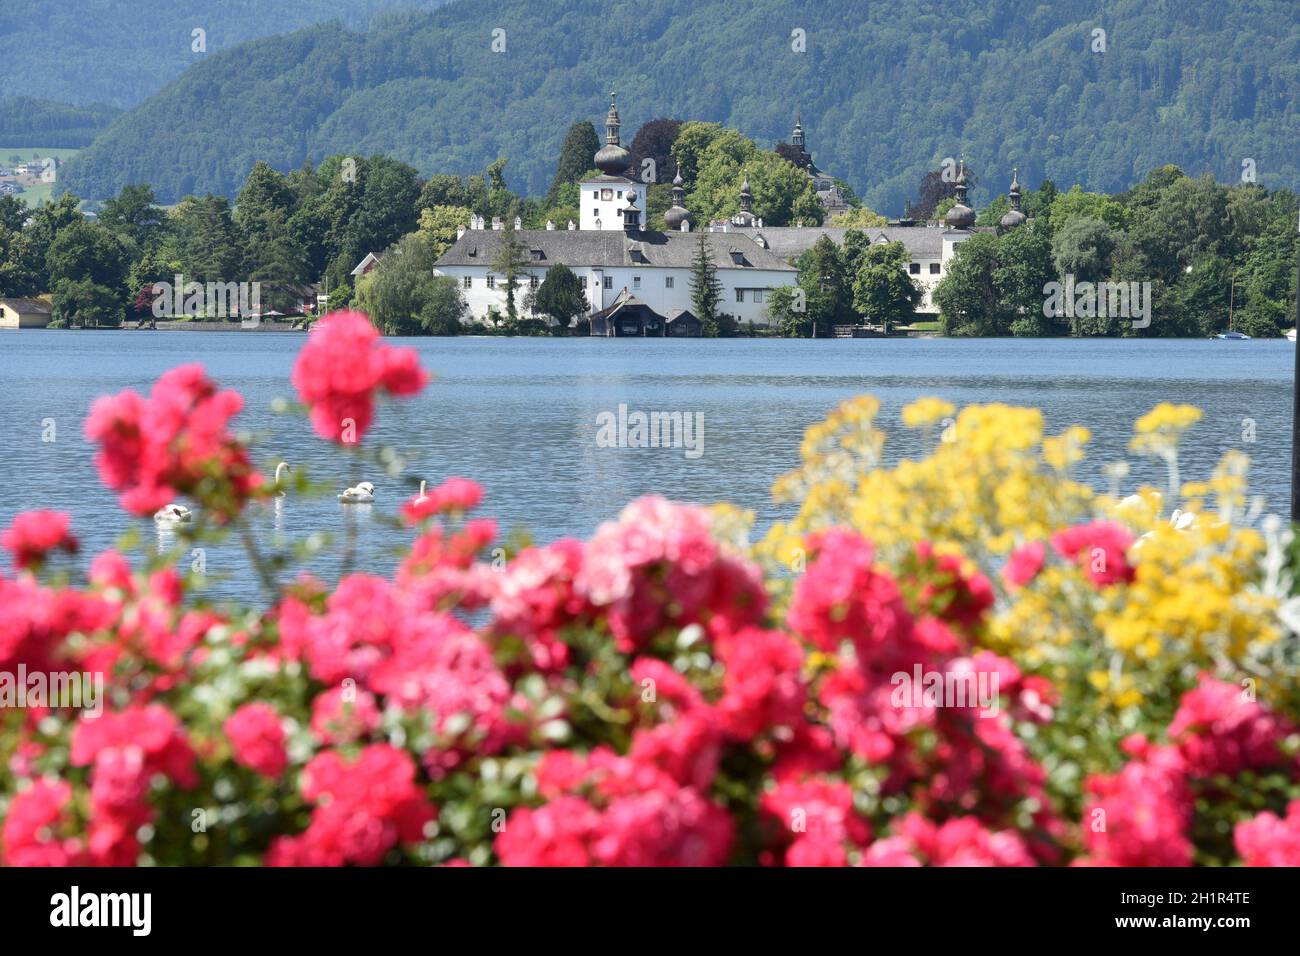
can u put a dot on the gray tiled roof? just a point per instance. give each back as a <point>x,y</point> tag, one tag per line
<point>590,247</point>
<point>789,242</point>
<point>28,306</point>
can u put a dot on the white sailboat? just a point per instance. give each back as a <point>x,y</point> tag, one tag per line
<point>1232,334</point>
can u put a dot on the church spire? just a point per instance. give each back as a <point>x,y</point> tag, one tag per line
<point>746,196</point>
<point>677,213</point>
<point>960,216</point>
<point>1014,216</point>
<point>612,122</point>
<point>796,137</point>
<point>612,159</point>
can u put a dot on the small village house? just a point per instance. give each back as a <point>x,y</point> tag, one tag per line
<point>24,314</point>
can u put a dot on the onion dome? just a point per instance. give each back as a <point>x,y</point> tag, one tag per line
<point>677,212</point>
<point>612,159</point>
<point>631,215</point>
<point>1014,216</point>
<point>960,216</point>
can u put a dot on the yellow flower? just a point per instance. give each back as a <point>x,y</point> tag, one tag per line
<point>926,411</point>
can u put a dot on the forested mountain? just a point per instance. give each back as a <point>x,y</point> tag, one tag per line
<point>886,91</point>
<point>109,51</point>
<point>27,121</point>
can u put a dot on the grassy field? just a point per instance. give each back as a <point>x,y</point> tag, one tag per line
<point>11,155</point>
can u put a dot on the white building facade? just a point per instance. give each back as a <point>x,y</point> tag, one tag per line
<point>655,267</point>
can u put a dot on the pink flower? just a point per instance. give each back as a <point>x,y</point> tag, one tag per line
<point>340,716</point>
<point>962,841</point>
<point>342,369</point>
<point>1100,548</point>
<point>454,496</point>
<point>1220,731</point>
<point>152,728</point>
<point>175,443</point>
<point>658,567</point>
<point>818,809</point>
<point>33,534</point>
<point>559,833</point>
<point>364,809</point>
<point>1267,840</point>
<point>842,597</point>
<point>535,597</point>
<point>1141,815</point>
<point>257,739</point>
<point>763,688</point>
<point>1024,564</point>
<point>30,836</point>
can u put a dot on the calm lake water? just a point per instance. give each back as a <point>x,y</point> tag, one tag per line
<point>520,416</point>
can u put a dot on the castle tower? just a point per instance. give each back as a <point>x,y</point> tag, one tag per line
<point>677,213</point>
<point>602,198</point>
<point>1014,217</point>
<point>960,216</point>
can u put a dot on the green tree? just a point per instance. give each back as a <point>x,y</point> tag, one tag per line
<point>560,297</point>
<point>706,289</point>
<point>443,189</point>
<point>13,213</point>
<point>439,225</point>
<point>882,289</point>
<point>996,285</point>
<point>84,302</point>
<point>26,273</point>
<point>509,263</point>
<point>209,246</point>
<point>580,145</point>
<point>827,286</point>
<point>87,251</point>
<point>134,215</point>
<point>403,296</point>
<point>787,312</point>
<point>444,307</point>
<point>859,218</point>
<point>693,140</point>
<point>1078,204</point>
<point>1082,247</point>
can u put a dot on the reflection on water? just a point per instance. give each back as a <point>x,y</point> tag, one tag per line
<point>520,415</point>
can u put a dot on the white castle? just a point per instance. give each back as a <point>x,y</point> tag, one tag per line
<point>637,279</point>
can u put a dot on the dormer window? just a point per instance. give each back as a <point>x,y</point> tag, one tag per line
<point>537,255</point>
<point>737,257</point>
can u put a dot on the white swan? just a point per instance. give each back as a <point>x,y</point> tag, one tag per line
<point>363,493</point>
<point>172,515</point>
<point>280,470</point>
<point>421,496</point>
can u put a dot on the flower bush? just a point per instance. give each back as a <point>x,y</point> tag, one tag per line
<point>968,660</point>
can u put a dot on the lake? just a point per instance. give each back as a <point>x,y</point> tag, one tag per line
<point>521,417</point>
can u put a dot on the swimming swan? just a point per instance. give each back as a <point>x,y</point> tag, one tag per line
<point>361,494</point>
<point>172,515</point>
<point>280,470</point>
